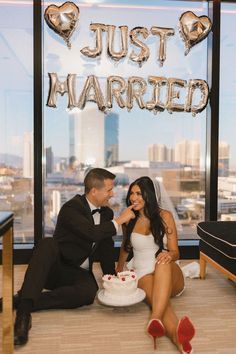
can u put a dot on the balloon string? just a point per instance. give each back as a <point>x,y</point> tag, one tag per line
<point>68,43</point>
<point>187,51</point>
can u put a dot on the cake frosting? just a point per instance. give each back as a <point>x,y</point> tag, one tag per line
<point>120,287</point>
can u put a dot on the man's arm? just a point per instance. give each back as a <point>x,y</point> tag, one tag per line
<point>80,224</point>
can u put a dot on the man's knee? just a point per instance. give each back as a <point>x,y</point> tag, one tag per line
<point>86,292</point>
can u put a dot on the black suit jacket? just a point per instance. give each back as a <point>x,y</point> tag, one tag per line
<point>76,232</point>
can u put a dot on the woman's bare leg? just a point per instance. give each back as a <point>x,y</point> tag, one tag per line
<point>170,320</point>
<point>166,281</point>
<point>146,283</point>
<point>162,288</point>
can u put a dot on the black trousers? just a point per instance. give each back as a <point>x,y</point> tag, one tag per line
<point>69,287</point>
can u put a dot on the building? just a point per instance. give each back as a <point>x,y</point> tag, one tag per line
<point>223,159</point>
<point>187,152</point>
<point>157,152</point>
<point>28,161</point>
<point>86,136</point>
<point>49,160</point>
<point>111,139</point>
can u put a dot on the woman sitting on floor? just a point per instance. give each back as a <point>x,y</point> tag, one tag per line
<point>152,236</point>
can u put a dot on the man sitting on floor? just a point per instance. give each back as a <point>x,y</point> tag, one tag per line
<point>63,264</point>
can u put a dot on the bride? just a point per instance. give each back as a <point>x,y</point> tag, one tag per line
<point>152,237</point>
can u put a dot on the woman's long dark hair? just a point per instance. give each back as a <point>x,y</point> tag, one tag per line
<point>151,211</point>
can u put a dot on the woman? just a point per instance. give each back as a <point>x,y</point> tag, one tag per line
<point>153,237</point>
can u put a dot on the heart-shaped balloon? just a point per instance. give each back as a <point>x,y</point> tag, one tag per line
<point>193,29</point>
<point>62,19</point>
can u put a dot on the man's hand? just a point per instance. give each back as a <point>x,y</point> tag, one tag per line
<point>125,216</point>
<point>119,269</point>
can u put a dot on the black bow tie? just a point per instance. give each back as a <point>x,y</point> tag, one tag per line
<point>94,211</point>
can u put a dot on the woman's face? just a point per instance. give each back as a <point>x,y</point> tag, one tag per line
<point>136,198</point>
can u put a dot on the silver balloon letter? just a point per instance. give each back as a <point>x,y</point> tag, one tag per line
<point>115,91</point>
<point>136,92</point>
<point>110,42</point>
<point>193,85</point>
<point>155,104</point>
<point>163,33</point>
<point>98,28</point>
<point>144,54</point>
<point>94,96</point>
<point>56,86</point>
<point>172,94</point>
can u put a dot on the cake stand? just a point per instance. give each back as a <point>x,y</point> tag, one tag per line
<point>128,301</point>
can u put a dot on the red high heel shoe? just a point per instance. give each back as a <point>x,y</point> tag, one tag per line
<point>185,332</point>
<point>156,329</point>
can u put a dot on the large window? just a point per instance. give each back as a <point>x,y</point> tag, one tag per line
<point>169,147</point>
<point>227,127</point>
<point>16,119</point>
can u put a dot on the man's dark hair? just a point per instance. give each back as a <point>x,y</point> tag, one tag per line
<point>95,178</point>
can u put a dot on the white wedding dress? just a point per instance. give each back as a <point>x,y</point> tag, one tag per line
<point>144,250</point>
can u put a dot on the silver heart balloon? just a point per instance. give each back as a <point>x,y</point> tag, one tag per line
<point>62,19</point>
<point>193,29</point>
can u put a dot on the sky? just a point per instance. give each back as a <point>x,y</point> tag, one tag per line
<point>137,128</point>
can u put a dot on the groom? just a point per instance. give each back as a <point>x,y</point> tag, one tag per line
<point>63,264</point>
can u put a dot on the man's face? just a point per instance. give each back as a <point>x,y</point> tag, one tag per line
<point>101,196</point>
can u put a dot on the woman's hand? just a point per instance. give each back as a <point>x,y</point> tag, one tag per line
<point>164,258</point>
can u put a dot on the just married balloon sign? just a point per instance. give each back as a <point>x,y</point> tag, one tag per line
<point>165,92</point>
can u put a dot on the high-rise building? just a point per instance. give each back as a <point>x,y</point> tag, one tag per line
<point>28,161</point>
<point>49,160</point>
<point>157,152</point>
<point>111,139</point>
<point>187,152</point>
<point>223,159</point>
<point>86,136</point>
<point>170,154</point>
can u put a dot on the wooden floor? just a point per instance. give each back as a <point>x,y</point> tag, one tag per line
<point>210,303</point>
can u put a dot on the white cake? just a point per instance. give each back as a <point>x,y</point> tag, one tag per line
<point>121,287</point>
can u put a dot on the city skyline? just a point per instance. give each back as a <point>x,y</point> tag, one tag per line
<point>184,152</point>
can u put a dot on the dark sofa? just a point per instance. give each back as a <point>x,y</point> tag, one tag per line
<point>218,247</point>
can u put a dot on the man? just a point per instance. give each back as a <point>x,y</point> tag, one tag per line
<point>63,264</point>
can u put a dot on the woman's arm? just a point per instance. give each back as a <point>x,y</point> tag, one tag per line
<point>172,241</point>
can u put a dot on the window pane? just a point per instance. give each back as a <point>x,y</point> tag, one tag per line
<point>227,126</point>
<point>168,147</point>
<point>16,120</point>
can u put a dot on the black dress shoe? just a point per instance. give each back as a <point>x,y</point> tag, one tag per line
<point>21,328</point>
<point>16,300</point>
